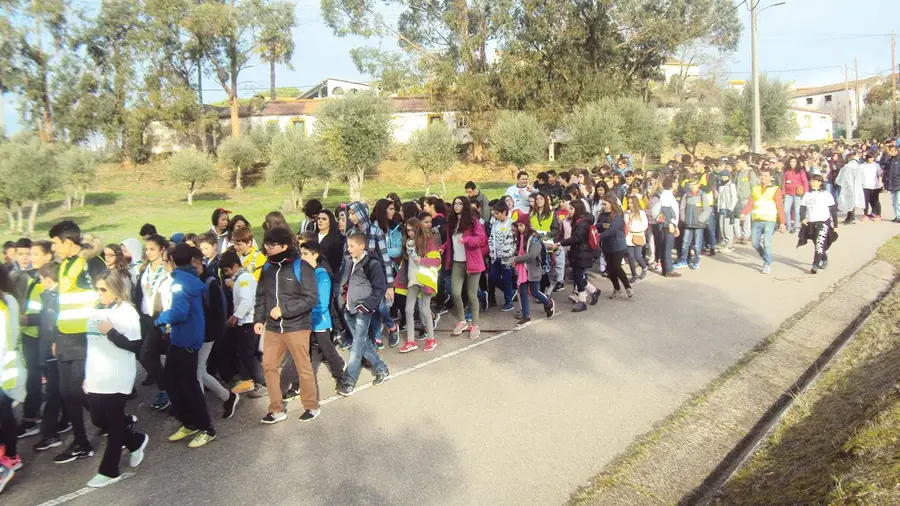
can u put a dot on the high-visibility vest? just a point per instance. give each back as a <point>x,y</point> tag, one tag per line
<point>11,365</point>
<point>253,262</point>
<point>33,305</point>
<point>75,302</point>
<point>764,208</point>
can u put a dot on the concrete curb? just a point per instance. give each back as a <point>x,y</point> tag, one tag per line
<point>694,452</point>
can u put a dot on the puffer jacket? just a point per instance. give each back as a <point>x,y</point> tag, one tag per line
<point>612,239</point>
<point>695,210</point>
<point>186,316</point>
<point>362,283</point>
<point>278,287</point>
<point>580,253</point>
<point>891,168</point>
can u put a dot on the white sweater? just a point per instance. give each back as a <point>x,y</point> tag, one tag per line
<point>110,369</point>
<point>636,226</point>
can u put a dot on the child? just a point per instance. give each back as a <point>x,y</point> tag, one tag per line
<point>728,204</point>
<point>251,259</point>
<point>239,337</point>
<point>695,212</point>
<point>818,215</point>
<point>530,268</point>
<point>362,290</point>
<point>502,248</point>
<point>39,255</point>
<point>12,369</point>
<point>321,347</point>
<point>418,277</point>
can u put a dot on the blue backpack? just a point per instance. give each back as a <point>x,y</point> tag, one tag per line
<point>297,266</point>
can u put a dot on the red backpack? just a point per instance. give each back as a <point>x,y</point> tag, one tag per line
<point>593,241</point>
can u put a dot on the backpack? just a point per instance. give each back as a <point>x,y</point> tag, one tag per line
<point>394,240</point>
<point>206,296</point>
<point>593,241</point>
<point>297,265</point>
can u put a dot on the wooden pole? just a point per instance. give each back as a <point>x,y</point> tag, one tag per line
<point>894,82</point>
<point>856,85</point>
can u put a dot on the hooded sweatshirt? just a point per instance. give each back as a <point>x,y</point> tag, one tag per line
<point>377,242</point>
<point>185,316</point>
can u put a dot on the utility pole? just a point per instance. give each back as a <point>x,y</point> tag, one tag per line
<point>756,133</point>
<point>848,124</point>
<point>894,82</point>
<point>856,85</point>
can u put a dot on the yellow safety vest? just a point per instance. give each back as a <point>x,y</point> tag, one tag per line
<point>254,262</point>
<point>764,208</point>
<point>75,302</point>
<point>33,305</point>
<point>11,366</point>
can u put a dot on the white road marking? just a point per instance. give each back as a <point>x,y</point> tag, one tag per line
<point>78,493</point>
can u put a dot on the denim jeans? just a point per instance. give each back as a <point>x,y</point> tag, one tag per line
<point>710,235</point>
<point>560,264</point>
<point>501,277</point>
<point>382,316</point>
<point>362,348</point>
<point>761,228</point>
<point>895,198</point>
<point>535,287</point>
<point>792,211</point>
<point>692,237</point>
<point>745,224</point>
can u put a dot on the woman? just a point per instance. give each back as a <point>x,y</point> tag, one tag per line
<point>134,254</point>
<point>331,242</point>
<point>145,295</point>
<point>276,220</point>
<point>340,214</point>
<point>382,216</point>
<point>544,223</point>
<point>463,257</point>
<point>398,207</point>
<point>11,461</point>
<point>612,243</point>
<point>581,256</point>
<point>636,239</point>
<point>418,277</point>
<point>794,185</point>
<point>113,340</point>
<point>219,227</point>
<point>116,262</point>
<point>529,269</point>
<point>236,223</point>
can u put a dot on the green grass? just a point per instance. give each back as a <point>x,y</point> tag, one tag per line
<point>840,443</point>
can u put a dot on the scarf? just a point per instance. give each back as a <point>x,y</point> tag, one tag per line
<point>521,270</point>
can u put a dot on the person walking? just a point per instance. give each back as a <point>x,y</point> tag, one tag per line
<point>417,276</point>
<point>529,266</point>
<point>582,253</point>
<point>613,245</point>
<point>819,217</point>
<point>891,166</point>
<point>145,297</point>
<point>463,257</point>
<point>795,185</point>
<point>850,195</point>
<point>767,207</point>
<point>12,380</point>
<point>636,238</point>
<point>870,173</point>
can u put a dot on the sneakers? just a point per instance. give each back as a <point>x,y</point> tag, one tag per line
<point>137,456</point>
<point>876,217</point>
<point>182,433</point>
<point>430,344</point>
<point>256,393</point>
<point>273,418</point>
<point>573,298</point>
<point>161,402</point>
<point>728,250</point>
<point>381,378</point>
<point>11,463</point>
<point>550,309</point>
<point>437,319</point>
<point>508,307</point>
<point>522,323</point>
<point>29,428</point>
<point>242,387</point>
<point>459,329</point>
<point>643,274</point>
<point>100,481</point>
<point>393,337</point>
<point>345,345</point>
<point>64,427</point>
<point>695,267</point>
<point>291,394</point>
<point>814,269</point>
<point>615,294</point>
<point>408,347</point>
<point>421,336</point>
<point>766,269</point>
<point>633,279</point>
<point>73,453</point>
<point>47,443</point>
<point>345,390</point>
<point>6,475</point>
<point>229,406</point>
<point>379,344</point>
<point>672,274</point>
<point>629,292</point>
<point>202,439</point>
<point>579,307</point>
<point>559,287</point>
<point>309,414</point>
<point>595,297</point>
<point>474,332</point>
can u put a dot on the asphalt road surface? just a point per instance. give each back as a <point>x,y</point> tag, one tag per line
<point>513,418</point>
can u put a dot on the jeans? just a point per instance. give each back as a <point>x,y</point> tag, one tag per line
<point>760,229</point>
<point>458,277</point>
<point>792,211</point>
<point>207,380</point>
<point>692,237</point>
<point>412,298</point>
<point>184,389</point>
<point>711,234</point>
<point>636,255</point>
<point>501,277</point>
<point>535,288</point>
<point>381,317</point>
<point>275,347</point>
<point>560,264</point>
<point>361,348</point>
<point>895,198</point>
<point>730,226</point>
<point>745,224</point>
<point>108,413</point>
<point>616,273</point>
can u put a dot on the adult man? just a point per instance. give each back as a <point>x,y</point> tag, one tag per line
<point>745,179</point>
<point>767,206</point>
<point>476,196</point>
<point>891,166</point>
<point>519,193</point>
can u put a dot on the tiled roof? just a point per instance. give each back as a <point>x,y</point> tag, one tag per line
<point>832,88</point>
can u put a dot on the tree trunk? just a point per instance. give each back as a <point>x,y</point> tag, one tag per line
<point>356,184</point>
<point>20,225</point>
<point>83,193</point>
<point>237,180</point>
<point>68,201</point>
<point>298,201</point>
<point>427,184</point>
<point>443,186</point>
<point>191,191</point>
<point>235,115</point>
<point>643,160</point>
<point>325,191</point>
<point>9,218</point>
<point>272,77</point>
<point>32,216</point>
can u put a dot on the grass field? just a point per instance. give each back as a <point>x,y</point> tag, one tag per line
<point>124,199</point>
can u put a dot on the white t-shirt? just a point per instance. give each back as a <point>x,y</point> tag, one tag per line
<point>817,203</point>
<point>108,368</point>
<point>150,282</point>
<point>459,251</point>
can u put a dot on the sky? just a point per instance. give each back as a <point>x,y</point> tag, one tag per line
<point>804,41</point>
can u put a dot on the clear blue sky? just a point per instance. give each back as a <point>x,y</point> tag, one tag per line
<point>802,34</point>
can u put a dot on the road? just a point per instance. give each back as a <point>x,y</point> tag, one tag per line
<point>514,418</point>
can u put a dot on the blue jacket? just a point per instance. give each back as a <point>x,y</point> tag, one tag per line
<point>321,317</point>
<point>186,317</point>
<point>612,239</point>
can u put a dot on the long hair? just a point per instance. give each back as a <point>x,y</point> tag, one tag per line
<point>236,218</point>
<point>596,197</point>
<point>634,207</point>
<point>546,211</point>
<point>121,264</point>
<point>422,236</point>
<point>465,220</point>
<point>276,220</point>
<point>398,205</point>
<point>787,163</point>
<point>615,208</point>
<point>332,222</point>
<point>578,210</point>
<point>409,210</point>
<point>115,283</point>
<point>380,214</point>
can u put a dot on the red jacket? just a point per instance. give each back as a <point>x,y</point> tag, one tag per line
<point>473,240</point>
<point>794,179</point>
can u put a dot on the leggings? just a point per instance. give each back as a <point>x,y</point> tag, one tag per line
<point>424,311</point>
<point>614,269</point>
<point>872,202</point>
<point>458,276</point>
<point>636,254</point>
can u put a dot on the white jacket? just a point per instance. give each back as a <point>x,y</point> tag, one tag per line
<point>635,226</point>
<point>244,291</point>
<point>109,369</point>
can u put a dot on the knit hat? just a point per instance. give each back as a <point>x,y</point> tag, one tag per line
<point>725,173</point>
<point>176,238</point>
<point>524,219</point>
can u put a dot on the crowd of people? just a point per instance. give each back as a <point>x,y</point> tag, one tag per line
<point>236,320</point>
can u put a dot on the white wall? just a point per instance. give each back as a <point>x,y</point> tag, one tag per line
<point>814,126</point>
<point>688,71</point>
<point>838,104</point>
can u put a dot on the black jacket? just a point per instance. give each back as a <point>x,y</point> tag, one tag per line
<point>277,286</point>
<point>891,167</point>
<point>214,307</point>
<point>580,253</point>
<point>332,248</point>
<point>45,321</point>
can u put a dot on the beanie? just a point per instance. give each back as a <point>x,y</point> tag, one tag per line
<point>725,173</point>
<point>524,219</point>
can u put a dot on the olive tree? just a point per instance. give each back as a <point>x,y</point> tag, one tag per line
<point>296,160</point>
<point>593,130</point>
<point>237,154</point>
<point>693,125</point>
<point>30,173</point>
<point>193,168</point>
<point>432,151</point>
<point>78,170</point>
<point>518,138</point>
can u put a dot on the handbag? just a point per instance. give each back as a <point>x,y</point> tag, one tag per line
<point>638,238</point>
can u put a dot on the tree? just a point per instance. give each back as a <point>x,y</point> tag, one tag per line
<point>295,161</point>
<point>432,151</point>
<point>693,125</point>
<point>876,121</point>
<point>775,100</point>
<point>354,134</point>
<point>237,154</point>
<point>78,170</point>
<point>275,42</point>
<point>642,130</point>
<point>18,162</point>
<point>393,72</point>
<point>594,129</point>
<point>194,168</point>
<point>879,94</point>
<point>518,138</point>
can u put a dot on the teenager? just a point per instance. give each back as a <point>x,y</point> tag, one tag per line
<point>795,185</point>
<point>220,222</point>
<point>818,214</point>
<point>850,193</point>
<point>321,347</point>
<point>530,268</point>
<point>520,192</point>
<point>116,262</point>
<point>727,206</point>
<point>501,250</point>
<point>696,211</point>
<point>252,260</point>
<point>581,255</point>
<point>476,195</point>
<point>114,339</point>
<point>311,210</point>
<point>134,254</point>
<point>383,218</point>
<point>417,276</point>
<point>12,386</point>
<point>891,166</point>
<point>29,298</point>
<point>870,173</point>
<point>463,258</point>
<point>636,238</point>
<point>331,241</point>
<point>767,207</point>
<point>612,243</point>
<point>186,326</point>
<point>240,339</point>
<point>145,297</point>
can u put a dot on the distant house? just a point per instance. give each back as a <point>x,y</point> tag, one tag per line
<point>331,87</point>
<point>814,125</point>
<point>673,67</point>
<point>834,100</point>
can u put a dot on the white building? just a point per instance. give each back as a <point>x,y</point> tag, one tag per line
<point>331,87</point>
<point>814,125</point>
<point>673,67</point>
